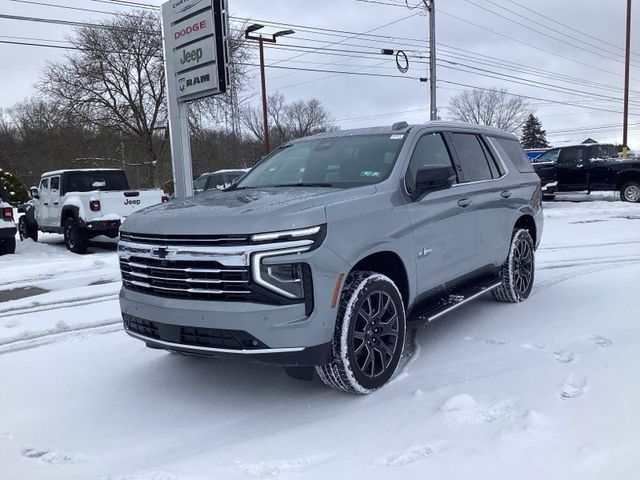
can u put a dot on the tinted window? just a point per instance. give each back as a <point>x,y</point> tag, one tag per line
<point>548,156</point>
<point>513,151</point>
<point>571,154</point>
<point>215,181</point>
<point>96,180</point>
<point>55,183</point>
<point>472,158</point>
<point>200,183</point>
<point>604,151</point>
<point>430,150</point>
<point>346,161</point>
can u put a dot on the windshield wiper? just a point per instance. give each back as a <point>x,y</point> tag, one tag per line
<point>301,184</point>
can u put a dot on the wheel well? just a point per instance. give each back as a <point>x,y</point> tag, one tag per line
<point>528,223</point>
<point>626,177</point>
<point>67,213</point>
<point>390,265</point>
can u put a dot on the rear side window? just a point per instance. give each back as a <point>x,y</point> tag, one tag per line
<point>55,183</point>
<point>474,163</point>
<point>513,151</point>
<point>604,151</point>
<point>571,155</point>
<point>215,182</point>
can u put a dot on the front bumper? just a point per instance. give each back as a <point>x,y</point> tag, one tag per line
<point>285,334</point>
<point>163,335</point>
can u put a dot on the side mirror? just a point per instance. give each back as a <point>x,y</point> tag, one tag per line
<point>433,177</point>
<point>33,191</point>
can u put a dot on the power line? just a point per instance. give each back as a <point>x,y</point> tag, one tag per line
<point>528,27</point>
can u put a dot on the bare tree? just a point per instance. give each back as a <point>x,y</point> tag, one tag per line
<point>287,120</point>
<point>115,80</point>
<point>491,107</point>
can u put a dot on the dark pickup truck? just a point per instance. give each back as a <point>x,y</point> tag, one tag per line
<point>588,167</point>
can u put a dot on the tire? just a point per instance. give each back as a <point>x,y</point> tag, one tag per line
<point>75,237</point>
<point>630,192</point>
<point>8,246</point>
<point>366,350</point>
<point>518,272</point>
<point>26,230</point>
<point>549,198</point>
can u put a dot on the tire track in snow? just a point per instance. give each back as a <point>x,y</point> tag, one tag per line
<point>589,245</point>
<point>55,336</point>
<point>58,304</point>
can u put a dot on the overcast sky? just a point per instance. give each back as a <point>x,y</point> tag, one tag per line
<point>581,71</point>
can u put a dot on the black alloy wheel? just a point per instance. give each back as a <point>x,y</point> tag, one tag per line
<point>375,334</point>
<point>523,266</point>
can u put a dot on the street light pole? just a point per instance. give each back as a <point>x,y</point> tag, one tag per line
<point>265,121</point>
<point>625,120</point>
<point>261,38</point>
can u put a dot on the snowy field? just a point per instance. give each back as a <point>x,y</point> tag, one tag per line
<point>546,389</point>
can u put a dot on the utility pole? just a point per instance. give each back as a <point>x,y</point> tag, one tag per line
<point>431,8</point>
<point>261,39</point>
<point>625,121</point>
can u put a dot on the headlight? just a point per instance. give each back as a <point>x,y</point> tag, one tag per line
<point>286,279</point>
<point>316,234</point>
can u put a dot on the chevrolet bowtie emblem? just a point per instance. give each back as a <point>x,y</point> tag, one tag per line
<point>160,252</point>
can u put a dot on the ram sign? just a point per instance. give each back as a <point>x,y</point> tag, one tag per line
<point>196,51</point>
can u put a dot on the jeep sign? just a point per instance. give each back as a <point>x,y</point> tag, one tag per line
<point>194,55</point>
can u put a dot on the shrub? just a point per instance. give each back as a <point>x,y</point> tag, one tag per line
<point>16,191</point>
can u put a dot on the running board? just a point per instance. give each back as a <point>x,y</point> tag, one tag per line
<point>446,304</point>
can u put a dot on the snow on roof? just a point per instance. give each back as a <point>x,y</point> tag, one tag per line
<point>59,172</point>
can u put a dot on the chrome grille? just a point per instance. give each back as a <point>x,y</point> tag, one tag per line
<point>195,279</point>
<point>184,240</point>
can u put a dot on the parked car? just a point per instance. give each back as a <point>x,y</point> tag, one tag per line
<point>217,180</point>
<point>7,224</point>
<point>534,152</point>
<point>324,254</point>
<point>82,204</point>
<point>588,167</point>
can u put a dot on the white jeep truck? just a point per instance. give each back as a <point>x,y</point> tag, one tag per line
<point>82,204</point>
<point>7,225</point>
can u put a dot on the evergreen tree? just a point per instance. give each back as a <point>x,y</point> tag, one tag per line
<point>533,136</point>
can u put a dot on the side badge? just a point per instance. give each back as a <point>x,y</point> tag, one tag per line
<point>425,252</point>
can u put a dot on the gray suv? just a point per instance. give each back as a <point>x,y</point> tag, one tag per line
<point>333,246</point>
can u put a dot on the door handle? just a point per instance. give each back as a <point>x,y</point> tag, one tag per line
<point>505,194</point>
<point>464,202</point>
<point>46,204</point>
<point>55,203</point>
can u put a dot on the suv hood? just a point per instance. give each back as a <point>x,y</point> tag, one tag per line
<point>241,211</point>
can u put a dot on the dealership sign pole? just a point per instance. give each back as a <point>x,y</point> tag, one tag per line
<point>196,66</point>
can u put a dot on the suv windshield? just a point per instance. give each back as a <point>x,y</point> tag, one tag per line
<point>105,180</point>
<point>348,161</point>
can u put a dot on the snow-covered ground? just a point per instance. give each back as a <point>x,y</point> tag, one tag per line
<point>544,389</point>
